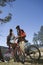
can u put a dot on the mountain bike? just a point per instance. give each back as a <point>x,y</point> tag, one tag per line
<point>18,53</point>
<point>29,51</point>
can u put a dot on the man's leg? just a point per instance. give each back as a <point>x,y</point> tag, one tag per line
<point>9,48</point>
<point>1,56</point>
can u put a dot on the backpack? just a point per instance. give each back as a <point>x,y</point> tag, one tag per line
<point>22,33</point>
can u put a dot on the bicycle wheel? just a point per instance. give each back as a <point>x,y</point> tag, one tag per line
<point>34,52</point>
<point>16,55</point>
<point>22,57</point>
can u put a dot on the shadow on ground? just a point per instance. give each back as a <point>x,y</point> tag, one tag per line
<point>39,62</point>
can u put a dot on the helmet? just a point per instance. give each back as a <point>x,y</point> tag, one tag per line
<point>17,27</point>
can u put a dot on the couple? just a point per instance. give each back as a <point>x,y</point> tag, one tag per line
<point>21,37</point>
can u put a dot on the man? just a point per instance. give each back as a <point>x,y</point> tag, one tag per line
<point>21,37</point>
<point>10,39</point>
<point>21,34</point>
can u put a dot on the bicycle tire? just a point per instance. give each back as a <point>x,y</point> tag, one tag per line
<point>34,50</point>
<point>16,56</point>
<point>20,56</point>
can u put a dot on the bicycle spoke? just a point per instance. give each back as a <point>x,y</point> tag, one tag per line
<point>34,52</point>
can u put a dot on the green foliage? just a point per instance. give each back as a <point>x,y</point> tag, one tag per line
<point>39,36</point>
<point>6,19</point>
<point>3,3</point>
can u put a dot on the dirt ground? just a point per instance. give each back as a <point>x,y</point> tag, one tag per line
<point>29,62</point>
<point>40,62</point>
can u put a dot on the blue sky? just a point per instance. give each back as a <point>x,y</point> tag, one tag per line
<point>26,13</point>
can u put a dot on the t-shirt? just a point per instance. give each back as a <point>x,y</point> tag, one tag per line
<point>10,39</point>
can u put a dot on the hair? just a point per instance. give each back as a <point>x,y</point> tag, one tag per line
<point>17,26</point>
<point>11,30</point>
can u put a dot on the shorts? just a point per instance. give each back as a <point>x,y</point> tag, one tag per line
<point>21,44</point>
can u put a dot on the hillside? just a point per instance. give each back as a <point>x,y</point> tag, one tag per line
<point>4,49</point>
